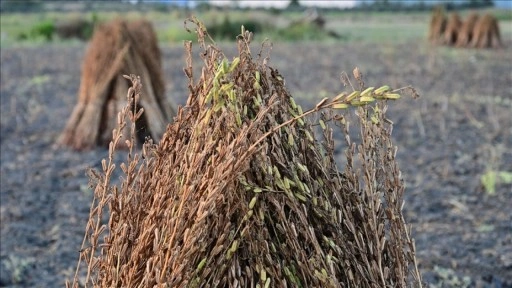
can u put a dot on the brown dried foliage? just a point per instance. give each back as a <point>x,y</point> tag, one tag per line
<point>437,25</point>
<point>466,31</point>
<point>118,48</point>
<point>486,33</point>
<point>451,31</point>
<point>239,192</point>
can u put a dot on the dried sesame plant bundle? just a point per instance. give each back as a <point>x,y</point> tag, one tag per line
<point>118,47</point>
<point>486,33</point>
<point>437,25</point>
<point>453,26</point>
<point>474,32</point>
<point>240,193</point>
<point>465,34</point>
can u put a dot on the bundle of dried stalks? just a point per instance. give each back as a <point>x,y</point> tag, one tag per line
<point>451,31</point>
<point>486,33</point>
<point>118,48</point>
<point>466,31</point>
<point>240,193</point>
<point>437,25</point>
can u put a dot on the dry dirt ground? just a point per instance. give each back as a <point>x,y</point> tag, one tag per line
<point>460,128</point>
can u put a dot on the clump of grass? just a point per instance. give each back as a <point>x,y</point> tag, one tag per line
<point>44,29</point>
<point>240,193</point>
<point>491,178</point>
<point>15,269</point>
<point>229,29</point>
<point>78,28</point>
<point>302,32</point>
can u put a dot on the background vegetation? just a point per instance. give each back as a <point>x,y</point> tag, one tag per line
<point>32,22</point>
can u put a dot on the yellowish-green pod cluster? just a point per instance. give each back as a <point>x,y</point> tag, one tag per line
<point>359,98</point>
<point>221,88</point>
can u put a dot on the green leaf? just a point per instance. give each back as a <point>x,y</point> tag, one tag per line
<point>505,177</point>
<point>489,182</point>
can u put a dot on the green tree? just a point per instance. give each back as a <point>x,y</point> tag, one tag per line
<point>294,4</point>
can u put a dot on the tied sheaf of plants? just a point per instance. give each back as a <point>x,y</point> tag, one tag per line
<point>240,193</point>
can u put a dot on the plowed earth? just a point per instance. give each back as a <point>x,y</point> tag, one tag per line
<point>458,130</point>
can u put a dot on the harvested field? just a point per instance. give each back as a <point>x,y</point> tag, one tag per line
<point>457,131</point>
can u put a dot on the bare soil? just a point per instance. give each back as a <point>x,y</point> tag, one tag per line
<point>460,128</point>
